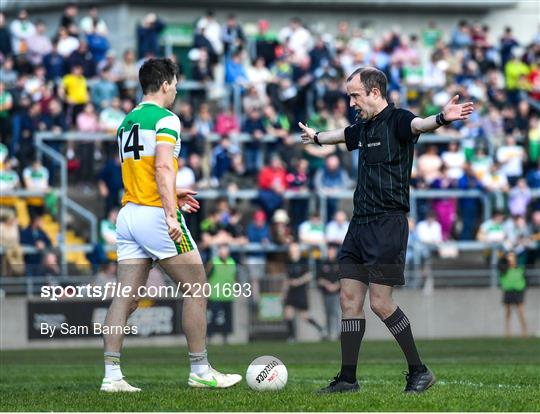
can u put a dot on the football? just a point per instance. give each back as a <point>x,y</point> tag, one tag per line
<point>266,373</point>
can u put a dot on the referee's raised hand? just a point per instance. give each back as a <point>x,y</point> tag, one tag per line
<point>307,135</point>
<point>454,111</point>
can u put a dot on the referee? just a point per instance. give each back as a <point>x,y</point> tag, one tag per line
<point>372,257</point>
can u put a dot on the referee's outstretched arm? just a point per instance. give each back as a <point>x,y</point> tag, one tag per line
<point>310,136</point>
<point>452,111</point>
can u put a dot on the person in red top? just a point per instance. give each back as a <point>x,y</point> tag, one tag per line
<point>272,185</point>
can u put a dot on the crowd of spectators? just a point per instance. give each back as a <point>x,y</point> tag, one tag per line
<point>75,80</point>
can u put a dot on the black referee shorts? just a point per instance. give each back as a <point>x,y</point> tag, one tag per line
<point>375,252</point>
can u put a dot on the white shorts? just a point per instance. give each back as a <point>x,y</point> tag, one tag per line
<point>141,232</point>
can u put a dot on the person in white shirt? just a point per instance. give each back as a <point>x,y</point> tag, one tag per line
<point>337,228</point>
<point>212,31</point>
<point>185,177</point>
<point>297,38</point>
<point>312,231</point>
<point>21,30</point>
<point>429,230</point>
<point>511,156</point>
<point>454,159</point>
<point>87,23</point>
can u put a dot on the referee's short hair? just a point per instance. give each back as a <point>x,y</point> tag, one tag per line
<point>371,78</point>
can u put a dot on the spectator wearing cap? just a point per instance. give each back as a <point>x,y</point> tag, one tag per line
<point>272,185</point>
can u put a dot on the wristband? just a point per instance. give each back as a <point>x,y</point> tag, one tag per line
<point>316,139</point>
<point>439,119</point>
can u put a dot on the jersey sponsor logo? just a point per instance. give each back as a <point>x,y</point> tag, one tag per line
<point>373,144</point>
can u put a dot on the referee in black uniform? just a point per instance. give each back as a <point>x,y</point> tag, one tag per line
<point>373,253</point>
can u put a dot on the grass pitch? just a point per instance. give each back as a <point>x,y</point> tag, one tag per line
<point>473,375</point>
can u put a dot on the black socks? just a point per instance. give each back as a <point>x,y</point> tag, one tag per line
<point>399,326</point>
<point>352,332</point>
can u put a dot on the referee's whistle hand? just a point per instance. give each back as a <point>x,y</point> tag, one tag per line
<point>307,134</point>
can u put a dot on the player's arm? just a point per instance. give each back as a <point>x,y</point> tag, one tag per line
<point>166,185</point>
<point>336,136</point>
<point>451,112</point>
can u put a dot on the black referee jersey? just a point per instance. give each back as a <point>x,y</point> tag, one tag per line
<point>386,145</point>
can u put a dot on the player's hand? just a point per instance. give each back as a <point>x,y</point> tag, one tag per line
<point>186,202</point>
<point>454,111</point>
<point>307,135</point>
<point>175,233</point>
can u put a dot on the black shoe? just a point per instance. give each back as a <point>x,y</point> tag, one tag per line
<point>339,385</point>
<point>419,381</point>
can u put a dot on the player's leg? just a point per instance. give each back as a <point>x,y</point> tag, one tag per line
<point>420,377</point>
<point>507,318</point>
<point>386,265</point>
<point>522,320</point>
<point>354,286</point>
<point>187,270</point>
<point>288,314</point>
<point>305,316</point>
<point>132,274</point>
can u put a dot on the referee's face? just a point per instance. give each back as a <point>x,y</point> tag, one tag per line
<point>359,99</point>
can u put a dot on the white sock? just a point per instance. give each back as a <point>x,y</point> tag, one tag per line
<point>112,366</point>
<point>199,362</point>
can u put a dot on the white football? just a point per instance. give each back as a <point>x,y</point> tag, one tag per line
<point>266,373</point>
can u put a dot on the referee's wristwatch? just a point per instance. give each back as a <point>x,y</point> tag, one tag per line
<point>316,139</point>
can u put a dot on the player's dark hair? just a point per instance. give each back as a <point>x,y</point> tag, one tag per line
<point>154,72</point>
<point>371,78</point>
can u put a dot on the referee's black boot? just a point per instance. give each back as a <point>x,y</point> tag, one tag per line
<point>418,381</point>
<point>339,385</point>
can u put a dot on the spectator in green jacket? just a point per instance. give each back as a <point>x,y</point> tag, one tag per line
<point>513,285</point>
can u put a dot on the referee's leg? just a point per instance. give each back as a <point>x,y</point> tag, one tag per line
<point>420,377</point>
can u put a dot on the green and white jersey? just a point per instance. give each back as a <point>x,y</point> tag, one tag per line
<point>38,179</point>
<point>143,129</point>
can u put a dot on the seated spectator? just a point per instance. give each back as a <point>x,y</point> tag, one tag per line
<point>519,198</point>
<point>104,90</point>
<point>107,228</point>
<point>429,231</point>
<point>22,29</point>
<point>82,56</point>
<point>429,164</point>
<point>518,236</point>
<point>298,180</point>
<point>337,228</point>
<point>34,236</point>
<point>272,185</point>
<point>129,74</point>
<point>258,230</point>
<point>276,124</point>
<point>93,23</point>
<point>50,268</point>
<point>185,178</point>
<point>112,116</point>
<point>332,178</point>
<point>481,163</point>
<point>36,178</point>
<point>454,159</point>
<point>253,100</point>
<point>9,179</point>
<point>259,76</point>
<point>87,120</point>
<point>237,178</point>
<point>39,44</point>
<point>226,122</point>
<point>213,231</point>
<point>204,124</point>
<point>511,156</point>
<point>491,230</point>
<point>235,72</point>
<point>54,63</point>
<point>281,231</point>
<point>221,157</point>
<point>311,232</point>
<point>12,260</point>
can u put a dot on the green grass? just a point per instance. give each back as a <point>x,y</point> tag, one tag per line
<point>473,375</point>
